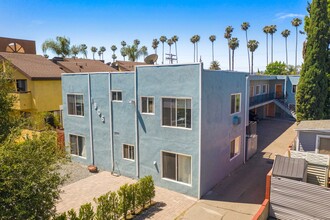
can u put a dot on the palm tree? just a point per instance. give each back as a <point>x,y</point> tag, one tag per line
<point>245,26</point>
<point>296,22</point>
<point>197,37</point>
<point>286,34</point>
<point>175,39</point>
<point>114,57</point>
<point>272,30</point>
<point>113,48</point>
<point>102,49</point>
<point>83,50</point>
<point>123,43</point>
<point>61,46</point>
<point>233,45</point>
<point>266,31</point>
<point>163,39</point>
<point>136,42</point>
<point>144,51</point>
<point>215,65</point>
<point>212,39</point>
<point>193,40</point>
<point>252,46</point>
<point>170,43</point>
<point>94,50</point>
<point>99,53</point>
<point>154,45</point>
<point>133,52</point>
<point>75,50</point>
<point>123,52</point>
<point>227,35</point>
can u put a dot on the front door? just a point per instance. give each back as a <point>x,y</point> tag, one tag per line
<point>278,91</point>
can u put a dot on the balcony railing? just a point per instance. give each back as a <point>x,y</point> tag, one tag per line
<point>23,100</point>
<point>255,100</point>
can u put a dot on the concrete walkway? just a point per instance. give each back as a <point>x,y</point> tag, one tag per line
<point>169,204</point>
<point>240,195</point>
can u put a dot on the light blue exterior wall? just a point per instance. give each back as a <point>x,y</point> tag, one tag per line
<point>291,80</point>
<point>218,129</point>
<point>307,139</point>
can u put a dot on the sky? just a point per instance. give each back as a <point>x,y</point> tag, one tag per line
<point>106,23</point>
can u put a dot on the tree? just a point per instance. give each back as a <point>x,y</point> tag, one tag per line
<point>114,57</point>
<point>30,180</point>
<point>83,49</point>
<point>227,35</point>
<point>136,42</point>
<point>313,88</point>
<point>245,26</point>
<point>133,52</point>
<point>113,48</point>
<point>296,22</point>
<point>94,50</point>
<point>102,49</point>
<point>99,53</point>
<point>215,65</point>
<point>170,43</point>
<point>61,46</point>
<point>252,46</point>
<point>233,45</point>
<point>197,39</point>
<point>276,68</point>
<point>154,44</point>
<point>163,39</point>
<point>193,40</point>
<point>144,51</point>
<point>286,34</point>
<point>75,50</point>
<point>272,30</point>
<point>175,39</point>
<point>266,31</point>
<point>212,38</point>
<point>123,52</point>
<point>123,43</point>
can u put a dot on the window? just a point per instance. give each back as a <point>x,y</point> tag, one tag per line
<point>176,167</point>
<point>322,144</point>
<point>21,85</point>
<point>76,105</point>
<point>294,88</point>
<point>258,90</point>
<point>235,146</point>
<point>147,105</point>
<point>116,96</point>
<point>176,112</point>
<point>235,103</point>
<point>128,152</point>
<point>264,88</point>
<point>77,145</point>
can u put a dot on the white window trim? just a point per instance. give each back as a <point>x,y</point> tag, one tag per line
<point>75,155</point>
<point>79,116</point>
<point>240,103</point>
<point>116,100</point>
<point>161,112</point>
<point>267,89</point>
<point>317,144</point>
<point>256,90</point>
<point>240,146</point>
<point>175,181</point>
<point>123,152</point>
<point>147,113</point>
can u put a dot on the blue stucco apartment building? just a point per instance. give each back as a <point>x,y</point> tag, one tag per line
<point>181,124</point>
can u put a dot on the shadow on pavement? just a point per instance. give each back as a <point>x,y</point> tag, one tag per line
<point>150,211</point>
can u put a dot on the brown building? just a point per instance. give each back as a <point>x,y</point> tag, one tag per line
<point>77,65</point>
<point>123,66</point>
<point>12,45</point>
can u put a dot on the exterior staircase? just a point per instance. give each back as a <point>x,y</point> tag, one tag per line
<point>285,107</point>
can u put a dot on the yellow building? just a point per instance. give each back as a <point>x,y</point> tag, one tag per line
<point>38,82</point>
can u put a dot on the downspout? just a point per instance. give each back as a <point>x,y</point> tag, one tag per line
<point>200,130</point>
<point>246,112</point>
<point>285,81</point>
<point>110,125</point>
<point>90,118</point>
<point>136,125</point>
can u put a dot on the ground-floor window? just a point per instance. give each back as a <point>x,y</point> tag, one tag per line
<point>235,146</point>
<point>128,152</point>
<point>176,167</point>
<point>323,144</point>
<point>77,145</point>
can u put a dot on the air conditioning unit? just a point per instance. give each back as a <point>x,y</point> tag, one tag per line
<point>236,120</point>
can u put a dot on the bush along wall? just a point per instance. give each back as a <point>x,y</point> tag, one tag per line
<point>122,204</point>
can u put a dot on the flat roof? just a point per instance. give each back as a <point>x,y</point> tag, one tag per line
<point>314,125</point>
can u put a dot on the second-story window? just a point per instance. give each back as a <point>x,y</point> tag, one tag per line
<point>21,85</point>
<point>176,112</point>
<point>264,88</point>
<point>235,103</point>
<point>258,90</point>
<point>147,105</point>
<point>294,88</point>
<point>116,96</point>
<point>76,105</point>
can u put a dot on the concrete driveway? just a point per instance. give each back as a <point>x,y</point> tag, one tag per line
<point>239,196</point>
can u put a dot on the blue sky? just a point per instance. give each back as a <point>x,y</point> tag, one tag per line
<point>104,23</point>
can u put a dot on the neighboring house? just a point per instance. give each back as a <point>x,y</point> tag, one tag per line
<point>314,136</point>
<point>124,66</point>
<point>78,65</point>
<point>181,124</point>
<point>273,96</point>
<point>38,82</point>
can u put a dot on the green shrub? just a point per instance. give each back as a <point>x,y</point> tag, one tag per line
<point>72,215</point>
<point>107,206</point>
<point>86,212</point>
<point>124,200</point>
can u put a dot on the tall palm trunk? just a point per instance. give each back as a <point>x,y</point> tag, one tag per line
<point>93,56</point>
<point>163,54</point>
<point>212,51</point>
<point>295,63</point>
<point>229,56</point>
<point>272,49</point>
<point>170,60</point>
<point>267,48</point>
<point>246,37</point>
<point>197,52</point>
<point>233,61</point>
<point>194,52</point>
<point>252,63</point>
<point>286,50</point>
<point>176,53</point>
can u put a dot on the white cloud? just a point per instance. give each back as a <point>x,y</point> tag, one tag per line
<point>281,16</point>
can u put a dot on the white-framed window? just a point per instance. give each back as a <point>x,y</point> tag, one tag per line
<point>75,104</point>
<point>257,90</point>
<point>116,96</point>
<point>147,105</point>
<point>176,167</point>
<point>235,100</point>
<point>77,145</point>
<point>235,146</point>
<point>323,144</point>
<point>264,88</point>
<point>294,88</point>
<point>176,112</point>
<point>128,152</point>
